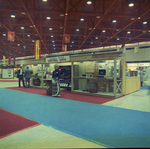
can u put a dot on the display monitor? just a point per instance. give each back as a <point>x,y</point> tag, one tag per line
<point>102,72</point>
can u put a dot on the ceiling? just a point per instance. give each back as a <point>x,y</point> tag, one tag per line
<point>65,19</point>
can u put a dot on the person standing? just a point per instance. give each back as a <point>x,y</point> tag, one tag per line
<point>20,76</point>
<point>27,75</point>
<point>55,81</point>
<point>141,77</point>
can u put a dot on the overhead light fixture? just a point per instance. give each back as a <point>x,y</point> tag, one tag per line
<point>12,14</point>
<point>117,30</point>
<point>4,34</point>
<point>31,26</point>
<point>114,20</point>
<point>61,27</point>
<point>128,32</point>
<point>50,28</point>
<point>77,29</point>
<point>96,37</point>
<point>103,31</point>
<point>144,21</point>
<point>117,38</point>
<point>131,3</point>
<point>18,44</point>
<point>32,40</point>
<point>72,41</point>
<point>61,15</point>
<point>82,18</point>
<point>91,42</point>
<point>66,14</point>
<point>139,18</point>
<point>44,0</point>
<point>98,17</point>
<point>22,27</point>
<point>53,45</point>
<point>54,48</point>
<point>23,13</point>
<point>89,2</point>
<point>90,28</point>
<point>53,41</point>
<point>48,16</point>
<point>28,35</point>
<point>132,18</point>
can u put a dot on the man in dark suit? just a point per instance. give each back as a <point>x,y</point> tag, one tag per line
<point>20,76</point>
<point>27,75</point>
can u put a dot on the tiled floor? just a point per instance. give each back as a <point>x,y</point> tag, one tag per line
<point>47,137</point>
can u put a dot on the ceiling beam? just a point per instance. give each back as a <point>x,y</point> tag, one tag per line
<point>98,23</point>
<point>65,21</point>
<point>126,26</point>
<point>33,24</point>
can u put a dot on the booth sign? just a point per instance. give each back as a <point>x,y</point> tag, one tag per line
<point>58,59</point>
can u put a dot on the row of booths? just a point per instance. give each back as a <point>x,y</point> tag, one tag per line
<point>101,74</point>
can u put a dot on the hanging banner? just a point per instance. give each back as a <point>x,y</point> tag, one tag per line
<point>13,62</point>
<point>37,49</point>
<point>25,47</point>
<point>9,61</point>
<point>64,48</point>
<point>11,36</point>
<point>3,59</point>
<point>136,49</point>
<point>67,38</point>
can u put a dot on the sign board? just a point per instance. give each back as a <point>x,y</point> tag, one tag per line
<point>57,59</point>
<point>37,61</point>
<point>144,64</point>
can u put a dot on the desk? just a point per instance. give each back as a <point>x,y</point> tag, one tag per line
<point>96,79</point>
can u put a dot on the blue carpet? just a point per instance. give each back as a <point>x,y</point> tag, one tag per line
<point>114,127</point>
<point>145,88</point>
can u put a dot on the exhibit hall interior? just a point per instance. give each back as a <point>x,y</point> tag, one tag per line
<point>74,74</point>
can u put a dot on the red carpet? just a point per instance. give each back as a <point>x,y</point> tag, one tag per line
<point>66,95</point>
<point>11,123</point>
<point>8,80</point>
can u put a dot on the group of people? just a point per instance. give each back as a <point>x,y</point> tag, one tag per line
<point>24,74</point>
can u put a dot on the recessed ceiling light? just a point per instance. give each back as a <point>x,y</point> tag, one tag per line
<point>61,15</point>
<point>44,0</point>
<point>89,2</point>
<point>18,44</point>
<point>91,42</point>
<point>50,28</point>
<point>139,17</point>
<point>128,32</point>
<point>4,34</point>
<point>90,28</point>
<point>22,27</point>
<point>53,45</point>
<point>52,36</point>
<point>96,37</point>
<point>103,31</point>
<point>131,3</point>
<point>117,38</point>
<point>98,17</point>
<point>72,41</point>
<point>77,29</point>
<point>28,35</point>
<point>32,40</point>
<point>132,18</point>
<point>53,41</point>
<point>23,13</point>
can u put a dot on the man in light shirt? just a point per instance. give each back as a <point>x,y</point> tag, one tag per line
<point>20,76</point>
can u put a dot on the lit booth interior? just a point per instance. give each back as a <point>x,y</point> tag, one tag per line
<point>101,77</point>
